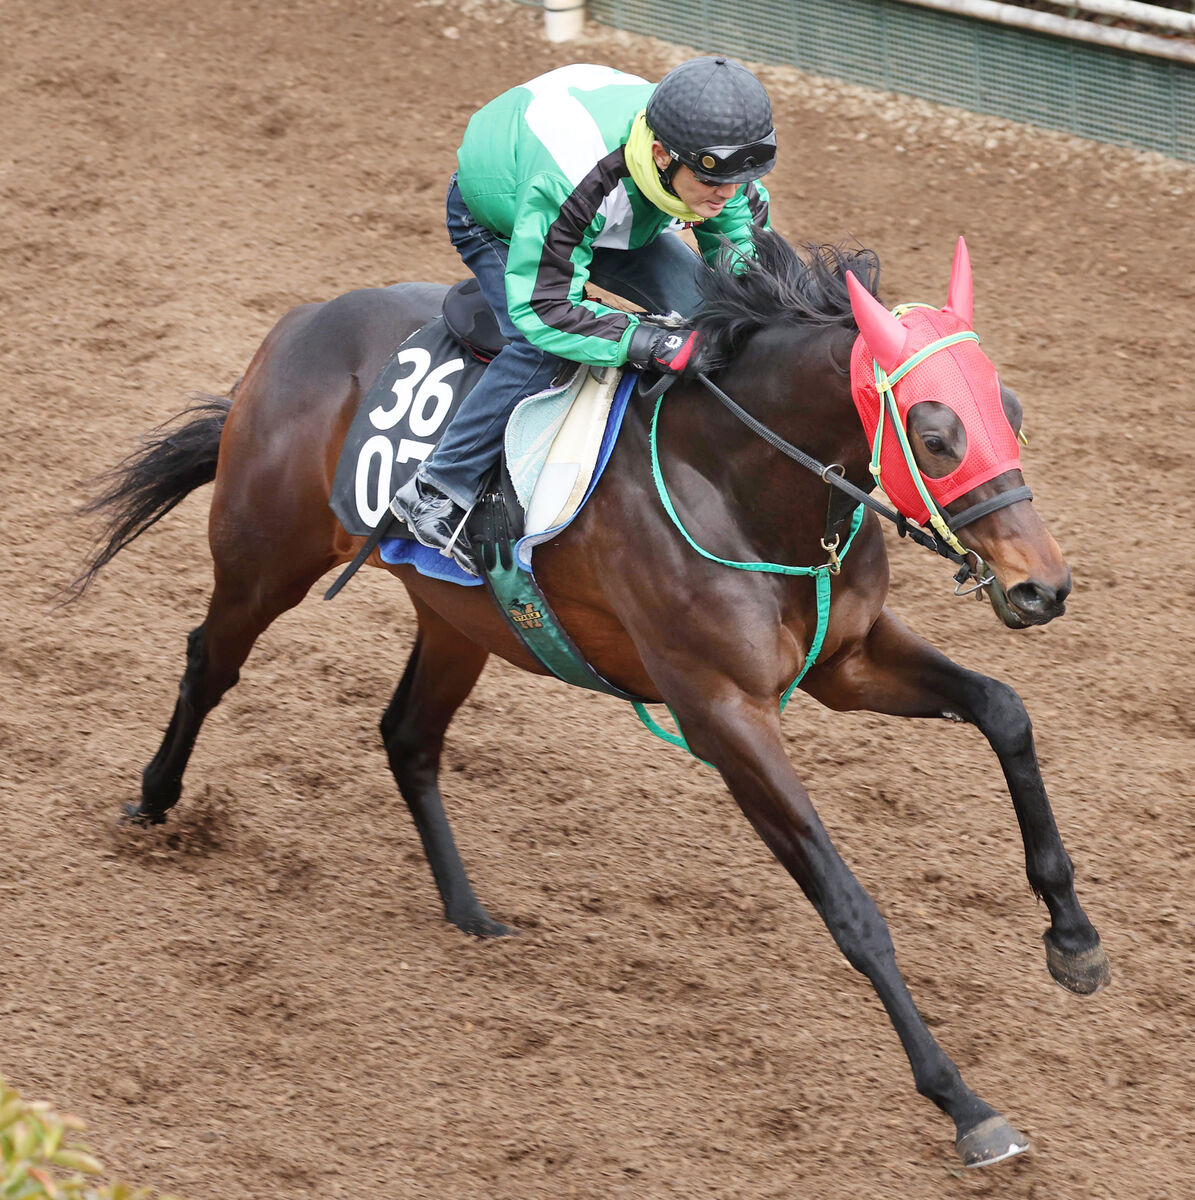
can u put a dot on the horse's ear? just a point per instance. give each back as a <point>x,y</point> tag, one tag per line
<point>959,299</point>
<point>884,334</point>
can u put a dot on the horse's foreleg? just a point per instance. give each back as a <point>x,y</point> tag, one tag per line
<point>440,673</point>
<point>742,739</point>
<point>894,671</point>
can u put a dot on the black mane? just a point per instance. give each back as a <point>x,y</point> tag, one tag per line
<point>805,284</point>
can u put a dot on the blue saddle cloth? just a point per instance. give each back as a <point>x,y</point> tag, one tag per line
<point>425,560</point>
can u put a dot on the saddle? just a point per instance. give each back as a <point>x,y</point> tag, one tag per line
<point>554,440</point>
<point>409,404</point>
<point>471,321</point>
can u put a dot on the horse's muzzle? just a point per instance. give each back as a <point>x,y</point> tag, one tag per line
<point>1030,602</point>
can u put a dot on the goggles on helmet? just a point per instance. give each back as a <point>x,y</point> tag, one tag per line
<point>730,164</point>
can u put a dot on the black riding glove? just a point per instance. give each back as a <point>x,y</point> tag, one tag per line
<point>656,348</point>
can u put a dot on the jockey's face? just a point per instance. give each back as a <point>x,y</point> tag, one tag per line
<point>705,199</point>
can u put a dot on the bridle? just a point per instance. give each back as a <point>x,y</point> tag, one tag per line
<point>834,476</point>
<point>940,539</point>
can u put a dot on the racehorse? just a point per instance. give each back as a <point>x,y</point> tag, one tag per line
<point>719,646</point>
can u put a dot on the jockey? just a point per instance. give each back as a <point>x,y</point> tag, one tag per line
<point>577,176</point>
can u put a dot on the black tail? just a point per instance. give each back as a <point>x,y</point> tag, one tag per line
<point>138,492</point>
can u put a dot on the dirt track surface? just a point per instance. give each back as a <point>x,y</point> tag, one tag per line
<point>261,999</point>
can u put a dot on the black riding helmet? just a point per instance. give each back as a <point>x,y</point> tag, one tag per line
<point>714,116</point>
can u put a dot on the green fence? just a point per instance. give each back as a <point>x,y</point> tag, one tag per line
<point>1095,91</point>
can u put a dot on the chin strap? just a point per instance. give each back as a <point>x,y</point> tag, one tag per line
<point>667,175</point>
<point>990,505</point>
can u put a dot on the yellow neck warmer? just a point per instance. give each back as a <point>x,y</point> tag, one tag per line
<point>643,171</point>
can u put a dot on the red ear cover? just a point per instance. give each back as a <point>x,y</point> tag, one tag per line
<point>959,299</point>
<point>884,334</point>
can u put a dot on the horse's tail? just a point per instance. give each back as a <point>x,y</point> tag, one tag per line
<point>172,461</point>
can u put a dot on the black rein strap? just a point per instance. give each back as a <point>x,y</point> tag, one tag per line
<point>923,537</point>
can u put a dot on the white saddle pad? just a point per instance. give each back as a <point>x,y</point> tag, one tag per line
<point>552,445</point>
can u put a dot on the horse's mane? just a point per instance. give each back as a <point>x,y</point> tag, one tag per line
<point>805,284</point>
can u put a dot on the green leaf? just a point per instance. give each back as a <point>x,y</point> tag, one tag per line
<point>75,1159</point>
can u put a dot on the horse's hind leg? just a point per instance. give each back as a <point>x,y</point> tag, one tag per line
<point>236,617</point>
<point>894,671</point>
<point>440,673</point>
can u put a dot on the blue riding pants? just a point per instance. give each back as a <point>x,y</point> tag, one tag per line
<point>660,276</point>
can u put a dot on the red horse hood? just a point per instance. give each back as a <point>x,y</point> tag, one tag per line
<point>959,376</point>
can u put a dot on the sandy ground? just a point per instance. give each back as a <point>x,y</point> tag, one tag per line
<point>261,999</point>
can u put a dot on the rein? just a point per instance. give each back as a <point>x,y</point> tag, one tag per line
<point>904,527</point>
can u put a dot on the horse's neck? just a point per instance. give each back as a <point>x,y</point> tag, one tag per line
<point>798,385</point>
<point>795,389</point>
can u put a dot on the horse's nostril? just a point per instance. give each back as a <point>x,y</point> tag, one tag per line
<point>1034,597</point>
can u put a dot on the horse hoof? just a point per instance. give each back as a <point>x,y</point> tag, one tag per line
<point>1084,973</point>
<point>991,1141</point>
<point>138,814</point>
<point>484,926</point>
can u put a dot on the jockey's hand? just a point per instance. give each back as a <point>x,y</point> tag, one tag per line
<point>656,348</point>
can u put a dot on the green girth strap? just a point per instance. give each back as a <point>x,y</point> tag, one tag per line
<point>524,605</point>
<point>820,573</point>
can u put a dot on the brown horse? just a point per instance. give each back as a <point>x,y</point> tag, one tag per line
<point>654,617</point>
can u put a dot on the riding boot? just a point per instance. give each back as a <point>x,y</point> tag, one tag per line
<point>434,520</point>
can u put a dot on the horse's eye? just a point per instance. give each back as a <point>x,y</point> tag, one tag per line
<point>941,439</point>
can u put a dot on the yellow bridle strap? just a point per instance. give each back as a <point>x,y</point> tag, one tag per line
<point>884,385</point>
